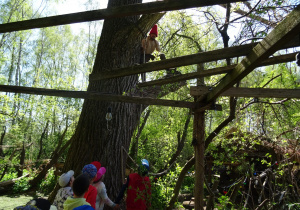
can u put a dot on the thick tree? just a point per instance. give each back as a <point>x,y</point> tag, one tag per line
<point>96,138</point>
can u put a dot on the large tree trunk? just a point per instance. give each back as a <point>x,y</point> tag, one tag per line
<point>95,138</point>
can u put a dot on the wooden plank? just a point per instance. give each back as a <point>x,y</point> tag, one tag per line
<point>178,78</point>
<point>175,62</point>
<point>96,96</point>
<point>281,34</point>
<point>203,57</point>
<point>113,12</point>
<point>250,92</point>
<point>220,70</point>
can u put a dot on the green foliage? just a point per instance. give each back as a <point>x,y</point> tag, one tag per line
<point>162,189</point>
<point>223,202</point>
<point>48,183</point>
<point>57,58</point>
<point>9,175</point>
<point>21,185</point>
<point>160,136</point>
<point>188,184</point>
<point>158,198</point>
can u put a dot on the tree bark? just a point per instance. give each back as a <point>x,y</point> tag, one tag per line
<point>95,139</point>
<point>2,141</point>
<point>22,161</point>
<point>41,141</point>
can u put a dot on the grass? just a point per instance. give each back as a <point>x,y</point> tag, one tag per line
<point>9,202</point>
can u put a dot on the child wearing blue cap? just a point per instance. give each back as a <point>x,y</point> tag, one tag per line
<point>91,171</point>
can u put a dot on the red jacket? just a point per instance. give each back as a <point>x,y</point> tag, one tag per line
<point>138,192</point>
<point>91,196</point>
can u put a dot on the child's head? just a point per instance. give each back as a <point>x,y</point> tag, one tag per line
<point>97,164</point>
<point>100,174</point>
<point>91,171</point>
<point>81,185</point>
<point>37,204</point>
<point>66,179</point>
<point>144,167</point>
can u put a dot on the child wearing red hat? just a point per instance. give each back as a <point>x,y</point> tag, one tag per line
<point>149,45</point>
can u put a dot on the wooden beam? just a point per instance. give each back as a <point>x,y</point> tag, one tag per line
<point>113,12</point>
<point>175,62</point>
<point>95,96</point>
<point>199,150</point>
<point>249,92</point>
<point>220,70</point>
<point>193,75</point>
<point>280,35</point>
<point>203,57</point>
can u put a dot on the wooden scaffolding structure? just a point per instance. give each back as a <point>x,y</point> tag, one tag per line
<point>285,35</point>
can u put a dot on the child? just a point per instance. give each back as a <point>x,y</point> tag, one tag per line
<point>65,181</point>
<point>91,171</point>
<point>97,164</point>
<point>138,187</point>
<point>102,196</point>
<point>37,204</point>
<point>80,187</point>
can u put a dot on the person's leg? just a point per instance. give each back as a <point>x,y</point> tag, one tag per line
<point>170,71</point>
<point>145,57</point>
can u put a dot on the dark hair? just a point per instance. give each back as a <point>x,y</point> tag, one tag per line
<point>81,184</point>
<point>142,170</point>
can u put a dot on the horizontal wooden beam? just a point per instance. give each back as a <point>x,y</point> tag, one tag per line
<point>203,57</point>
<point>96,96</point>
<point>249,92</point>
<point>220,70</point>
<point>193,75</point>
<point>281,34</point>
<point>113,12</point>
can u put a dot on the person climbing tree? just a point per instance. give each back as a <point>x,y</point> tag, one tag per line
<point>149,45</point>
<point>138,189</point>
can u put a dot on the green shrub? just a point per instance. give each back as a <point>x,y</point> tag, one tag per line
<point>158,196</point>
<point>21,185</point>
<point>48,183</point>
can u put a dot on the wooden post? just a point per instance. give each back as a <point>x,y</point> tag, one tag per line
<point>199,147</point>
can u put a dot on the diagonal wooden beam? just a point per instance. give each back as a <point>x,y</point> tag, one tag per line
<point>113,12</point>
<point>249,92</point>
<point>281,34</point>
<point>96,96</point>
<point>203,57</point>
<point>220,70</point>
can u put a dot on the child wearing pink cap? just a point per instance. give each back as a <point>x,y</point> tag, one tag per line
<point>102,197</point>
